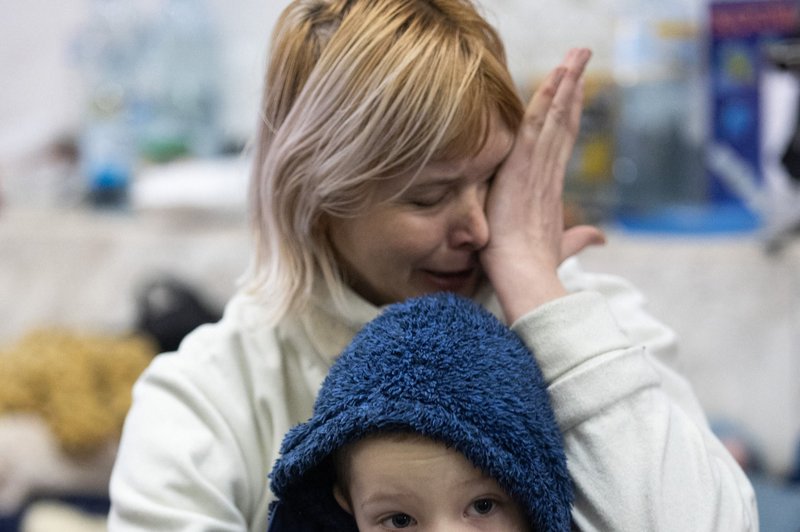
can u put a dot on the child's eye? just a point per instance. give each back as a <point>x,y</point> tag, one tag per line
<point>483,506</point>
<point>398,521</point>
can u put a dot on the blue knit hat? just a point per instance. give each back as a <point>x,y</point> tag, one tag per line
<point>444,367</point>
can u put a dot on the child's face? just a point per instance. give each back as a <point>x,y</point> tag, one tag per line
<point>418,484</point>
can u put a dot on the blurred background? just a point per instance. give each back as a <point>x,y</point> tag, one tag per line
<point>123,175</point>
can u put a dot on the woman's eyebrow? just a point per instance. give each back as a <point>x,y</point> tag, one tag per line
<point>434,183</point>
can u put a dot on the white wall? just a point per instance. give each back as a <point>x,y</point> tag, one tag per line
<point>38,90</point>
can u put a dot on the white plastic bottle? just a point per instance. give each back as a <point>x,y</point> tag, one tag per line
<point>106,53</point>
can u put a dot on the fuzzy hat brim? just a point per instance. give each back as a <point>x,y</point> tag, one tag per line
<point>445,368</point>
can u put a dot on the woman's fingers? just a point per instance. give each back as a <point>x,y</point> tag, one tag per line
<point>555,95</point>
<point>576,239</point>
<point>574,122</point>
<point>536,112</point>
<point>524,207</point>
<point>550,125</point>
<point>562,123</point>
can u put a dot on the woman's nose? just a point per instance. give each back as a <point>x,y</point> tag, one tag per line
<point>470,228</point>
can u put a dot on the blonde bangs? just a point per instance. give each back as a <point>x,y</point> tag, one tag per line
<point>489,92</point>
<point>467,133</point>
<point>408,96</point>
<point>423,89</point>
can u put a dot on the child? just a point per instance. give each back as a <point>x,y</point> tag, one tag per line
<point>435,413</point>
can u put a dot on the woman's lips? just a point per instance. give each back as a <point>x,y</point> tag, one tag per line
<point>455,281</point>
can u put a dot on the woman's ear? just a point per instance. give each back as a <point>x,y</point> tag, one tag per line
<point>341,499</point>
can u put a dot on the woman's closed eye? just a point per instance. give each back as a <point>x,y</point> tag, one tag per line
<point>434,195</point>
<point>428,199</point>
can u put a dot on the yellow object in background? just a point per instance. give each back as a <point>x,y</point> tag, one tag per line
<point>589,184</point>
<point>79,383</point>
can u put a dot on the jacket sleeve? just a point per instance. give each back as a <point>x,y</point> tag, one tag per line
<point>190,457</point>
<point>638,446</point>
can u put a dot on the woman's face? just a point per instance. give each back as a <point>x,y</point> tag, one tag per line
<point>427,239</point>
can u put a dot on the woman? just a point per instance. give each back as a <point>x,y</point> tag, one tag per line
<point>395,159</point>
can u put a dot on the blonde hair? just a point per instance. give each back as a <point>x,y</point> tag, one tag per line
<point>356,92</point>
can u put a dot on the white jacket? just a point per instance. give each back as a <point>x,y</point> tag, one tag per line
<point>207,422</point>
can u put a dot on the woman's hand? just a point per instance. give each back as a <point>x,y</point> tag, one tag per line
<point>524,207</point>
